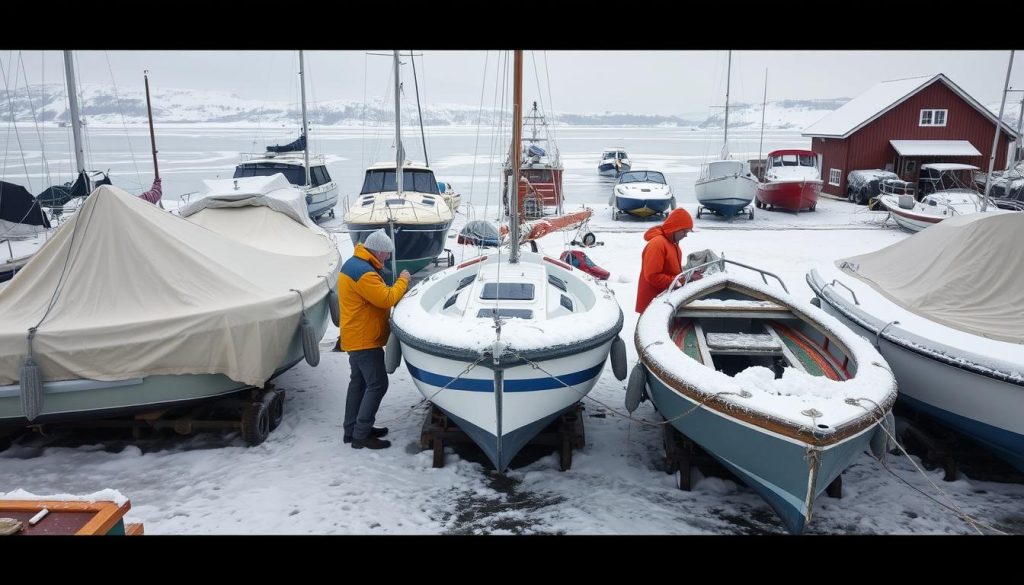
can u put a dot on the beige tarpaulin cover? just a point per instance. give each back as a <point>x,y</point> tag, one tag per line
<point>965,272</point>
<point>137,291</point>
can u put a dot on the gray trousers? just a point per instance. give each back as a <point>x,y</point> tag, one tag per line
<point>366,388</point>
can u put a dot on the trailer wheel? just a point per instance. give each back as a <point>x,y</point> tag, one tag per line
<point>276,410</point>
<point>255,424</point>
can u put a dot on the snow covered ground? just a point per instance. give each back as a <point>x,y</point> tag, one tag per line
<point>303,480</point>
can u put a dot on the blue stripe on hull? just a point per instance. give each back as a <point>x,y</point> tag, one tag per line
<point>511,443</point>
<point>528,385</point>
<point>1006,444</point>
<point>775,468</point>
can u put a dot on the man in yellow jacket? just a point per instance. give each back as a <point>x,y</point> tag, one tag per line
<point>365,303</point>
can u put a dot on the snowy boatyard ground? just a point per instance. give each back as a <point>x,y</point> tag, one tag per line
<point>303,480</point>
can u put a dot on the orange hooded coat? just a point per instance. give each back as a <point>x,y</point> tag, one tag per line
<point>662,258</point>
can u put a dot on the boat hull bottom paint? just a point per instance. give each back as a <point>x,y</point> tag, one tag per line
<point>790,195</point>
<point>415,247</point>
<point>642,207</point>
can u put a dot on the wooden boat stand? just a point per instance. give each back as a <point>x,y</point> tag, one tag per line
<point>682,454</point>
<point>565,433</point>
<point>255,412</point>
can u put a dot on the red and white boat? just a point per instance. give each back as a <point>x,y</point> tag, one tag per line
<point>541,192</point>
<point>792,181</point>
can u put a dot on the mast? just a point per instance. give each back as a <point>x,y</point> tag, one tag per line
<point>152,135</point>
<point>725,140</point>
<point>419,110</point>
<point>517,130</point>
<point>399,151</point>
<point>76,124</point>
<point>764,107</point>
<point>305,142</point>
<point>995,139</point>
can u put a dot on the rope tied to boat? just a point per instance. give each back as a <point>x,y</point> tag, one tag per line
<point>536,366</point>
<point>428,399</point>
<point>974,523</point>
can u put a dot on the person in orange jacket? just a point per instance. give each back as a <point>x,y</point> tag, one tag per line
<point>365,303</point>
<point>662,257</point>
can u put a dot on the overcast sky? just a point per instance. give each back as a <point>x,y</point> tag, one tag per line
<point>642,82</point>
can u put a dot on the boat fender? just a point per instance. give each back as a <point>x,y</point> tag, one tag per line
<point>635,391</point>
<point>618,358</point>
<point>882,441</point>
<point>30,377</point>
<point>332,303</point>
<point>310,344</point>
<point>392,354</point>
<point>816,302</point>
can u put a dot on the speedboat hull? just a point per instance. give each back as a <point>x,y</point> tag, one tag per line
<point>321,200</point>
<point>789,195</point>
<point>642,207</point>
<point>612,170</point>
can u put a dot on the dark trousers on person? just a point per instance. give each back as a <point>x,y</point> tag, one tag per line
<point>366,388</point>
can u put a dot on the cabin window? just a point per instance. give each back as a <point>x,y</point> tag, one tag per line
<point>557,282</point>
<point>537,175</point>
<point>834,176</point>
<point>508,291</point>
<point>910,166</point>
<point>933,118</point>
<point>421,181</point>
<point>319,175</point>
<point>295,175</point>
<point>808,160</point>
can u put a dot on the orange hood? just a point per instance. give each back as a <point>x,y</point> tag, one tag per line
<point>679,219</point>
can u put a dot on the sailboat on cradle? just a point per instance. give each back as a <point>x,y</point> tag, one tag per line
<point>504,343</point>
<point>403,199</point>
<point>726,187</point>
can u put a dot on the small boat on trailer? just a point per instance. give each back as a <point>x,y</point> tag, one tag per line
<point>780,393</point>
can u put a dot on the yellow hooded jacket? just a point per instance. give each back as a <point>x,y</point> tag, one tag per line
<point>365,300</point>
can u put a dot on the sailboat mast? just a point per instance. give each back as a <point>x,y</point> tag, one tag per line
<point>152,135</point>
<point>305,143</point>
<point>764,107</point>
<point>76,124</point>
<point>399,152</point>
<point>517,130</point>
<point>728,77</point>
<point>995,139</point>
<point>419,109</point>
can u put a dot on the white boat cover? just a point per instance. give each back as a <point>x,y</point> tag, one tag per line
<point>965,272</point>
<point>125,290</point>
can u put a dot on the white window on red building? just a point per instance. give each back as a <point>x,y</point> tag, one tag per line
<point>933,118</point>
<point>834,176</point>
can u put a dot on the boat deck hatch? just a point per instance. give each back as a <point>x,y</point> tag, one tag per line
<point>516,313</point>
<point>508,291</point>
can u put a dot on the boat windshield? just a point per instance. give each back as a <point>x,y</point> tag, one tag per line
<point>642,177</point>
<point>795,160</point>
<point>418,180</point>
<point>296,175</point>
